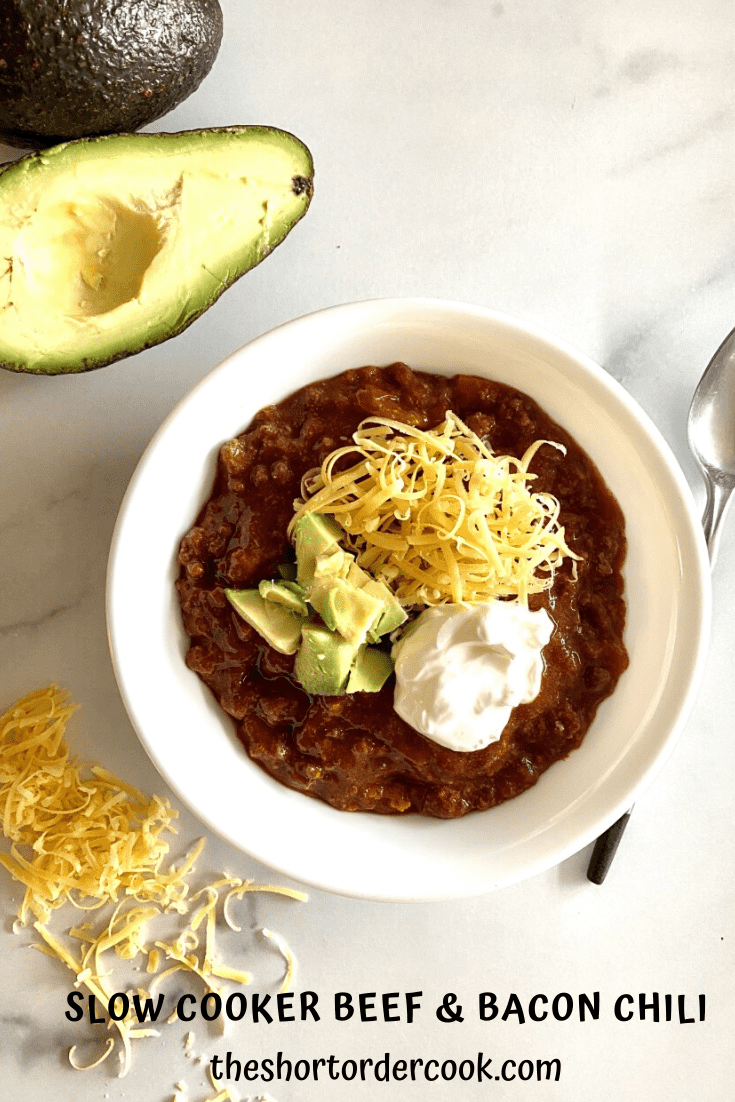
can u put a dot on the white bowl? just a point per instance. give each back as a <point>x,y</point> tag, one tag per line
<point>191,741</point>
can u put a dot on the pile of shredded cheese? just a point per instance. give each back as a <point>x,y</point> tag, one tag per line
<point>90,839</point>
<point>437,516</point>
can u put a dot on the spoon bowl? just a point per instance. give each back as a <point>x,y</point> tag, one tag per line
<point>711,434</point>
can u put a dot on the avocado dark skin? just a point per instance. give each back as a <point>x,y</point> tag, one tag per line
<point>88,67</point>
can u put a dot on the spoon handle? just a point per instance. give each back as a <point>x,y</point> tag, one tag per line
<point>605,847</point>
<point>718,496</point>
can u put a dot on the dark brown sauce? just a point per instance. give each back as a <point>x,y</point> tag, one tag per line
<point>353,751</point>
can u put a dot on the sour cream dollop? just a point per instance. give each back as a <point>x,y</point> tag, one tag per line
<point>460,671</point>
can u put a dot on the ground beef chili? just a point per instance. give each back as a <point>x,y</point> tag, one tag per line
<point>353,751</point>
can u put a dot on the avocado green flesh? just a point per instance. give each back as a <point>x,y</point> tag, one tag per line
<point>331,657</point>
<point>114,244</point>
<point>283,594</point>
<point>371,670</point>
<point>349,611</point>
<point>392,616</point>
<point>323,661</point>
<point>314,535</point>
<point>278,626</point>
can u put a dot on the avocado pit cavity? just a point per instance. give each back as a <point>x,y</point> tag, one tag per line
<point>84,257</point>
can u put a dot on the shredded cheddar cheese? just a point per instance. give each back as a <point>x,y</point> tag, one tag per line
<point>246,886</point>
<point>82,836</point>
<point>437,516</point>
<point>284,950</point>
<point>91,837</point>
<point>223,1094</point>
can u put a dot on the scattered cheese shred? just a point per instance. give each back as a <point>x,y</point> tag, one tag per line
<point>91,839</point>
<point>280,943</point>
<point>437,516</point>
<point>246,886</point>
<point>109,1045</point>
<point>224,1094</point>
<point>96,986</point>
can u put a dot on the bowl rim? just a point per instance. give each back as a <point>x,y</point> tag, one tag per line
<point>385,311</point>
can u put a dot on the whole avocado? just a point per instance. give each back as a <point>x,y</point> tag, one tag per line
<point>88,67</point>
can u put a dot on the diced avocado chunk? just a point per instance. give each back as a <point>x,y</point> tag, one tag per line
<point>318,592</point>
<point>290,597</point>
<point>393,614</point>
<point>295,588</point>
<point>287,570</point>
<point>352,612</point>
<point>323,661</point>
<point>313,534</point>
<point>349,611</point>
<point>370,672</point>
<point>278,626</point>
<point>333,562</point>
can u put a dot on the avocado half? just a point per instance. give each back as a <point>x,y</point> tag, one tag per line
<point>111,245</point>
<point>87,67</point>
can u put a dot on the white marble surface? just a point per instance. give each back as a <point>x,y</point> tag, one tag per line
<point>565,162</point>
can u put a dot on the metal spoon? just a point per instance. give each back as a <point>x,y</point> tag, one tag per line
<point>711,432</point>
<point>711,435</point>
